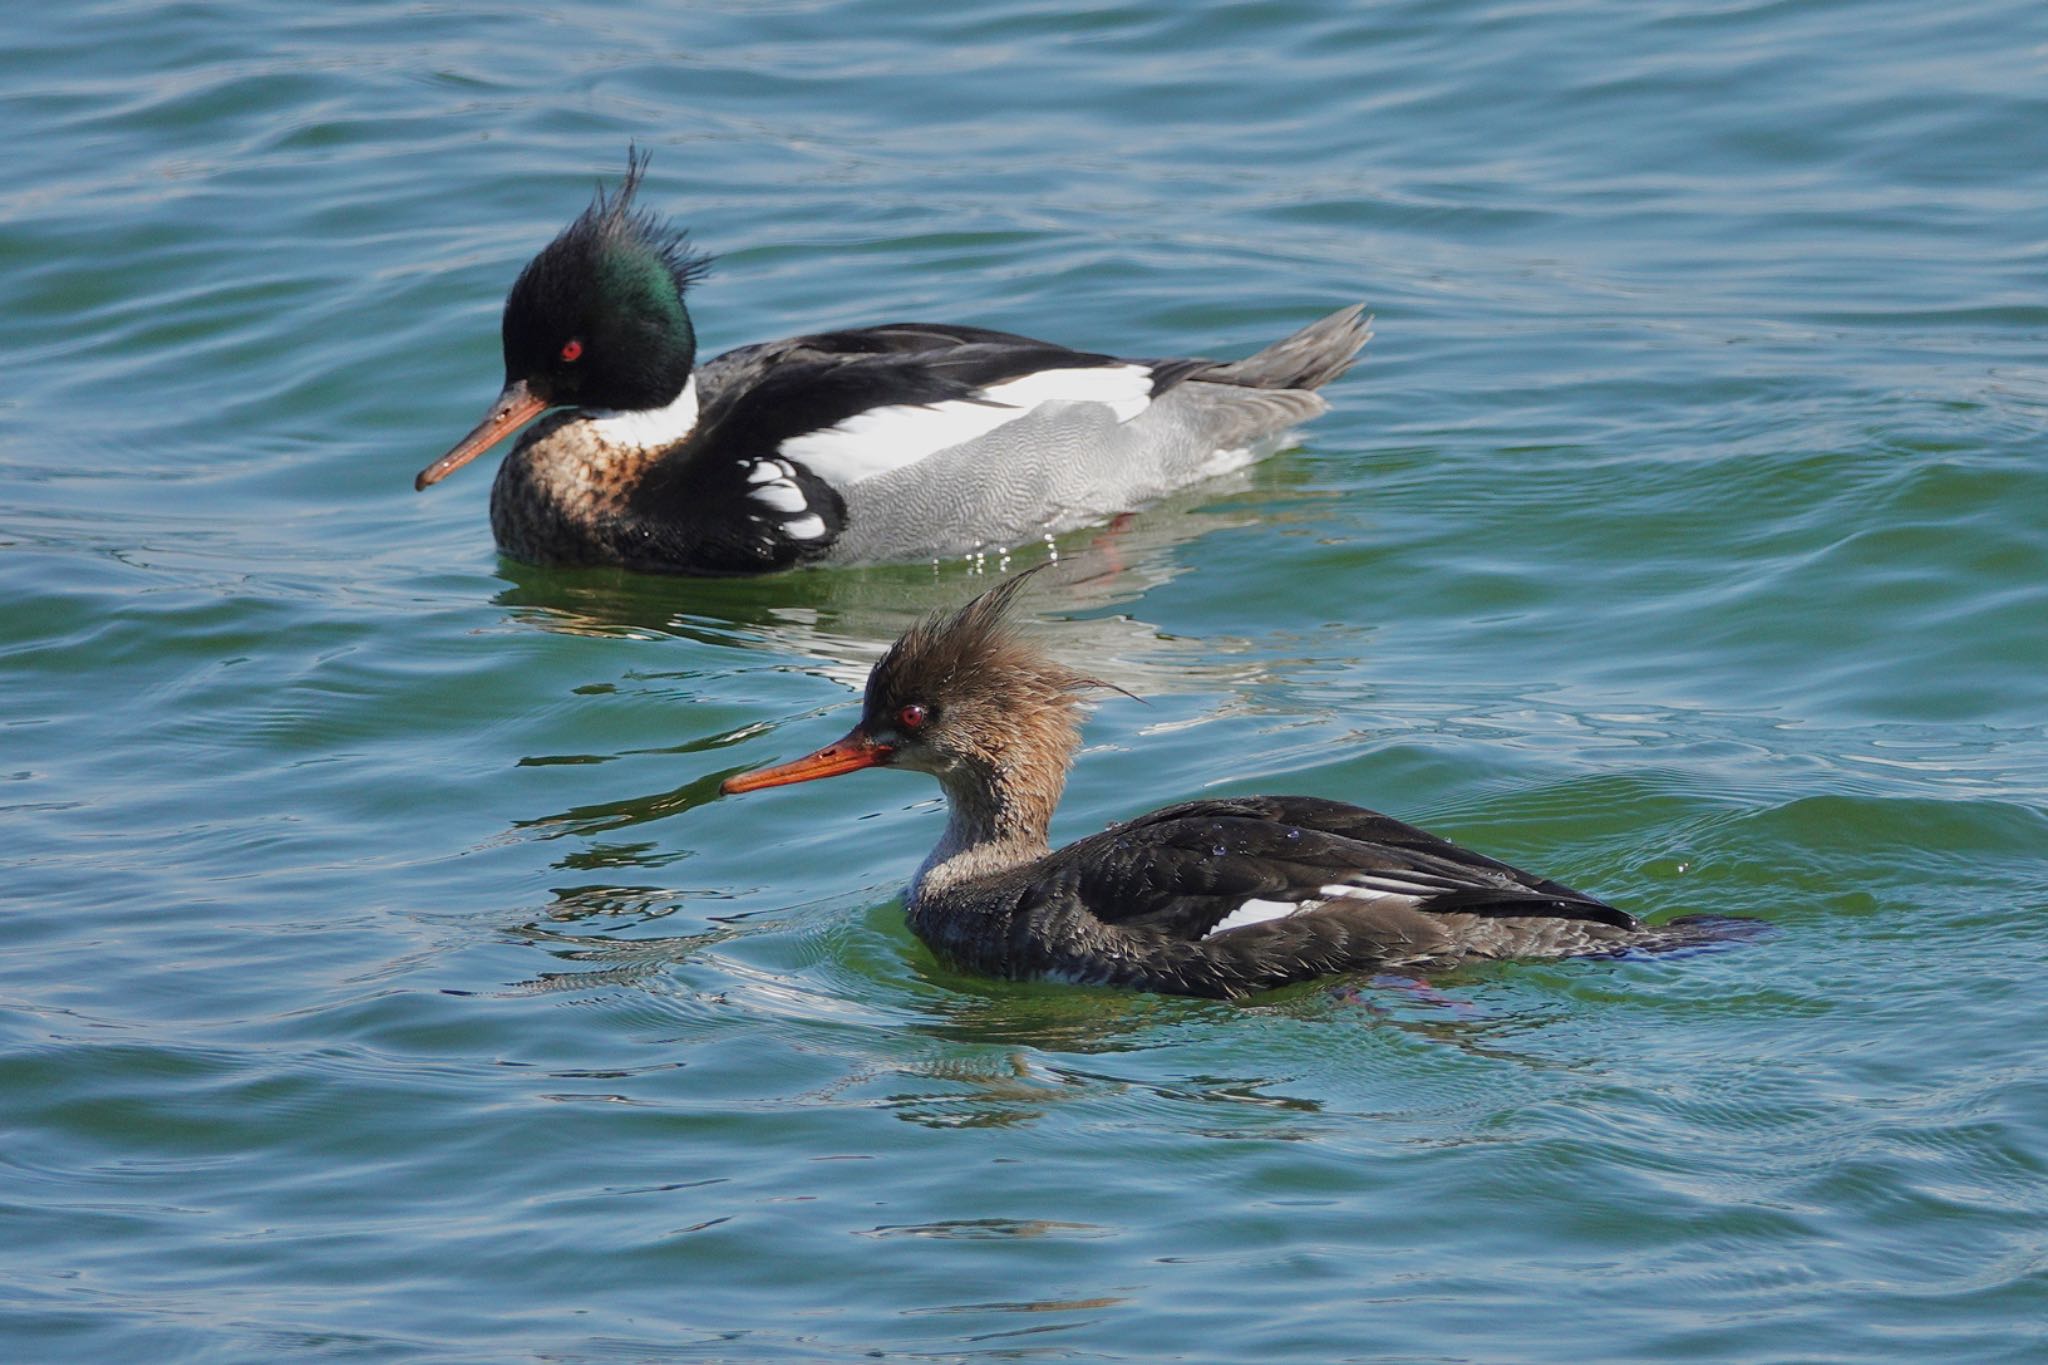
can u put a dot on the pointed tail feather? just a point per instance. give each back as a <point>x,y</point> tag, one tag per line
<point>1309,359</point>
<point>1693,933</point>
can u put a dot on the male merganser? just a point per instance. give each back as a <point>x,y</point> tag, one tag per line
<point>1218,897</point>
<point>905,441</point>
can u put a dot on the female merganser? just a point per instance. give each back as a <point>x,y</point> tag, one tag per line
<point>1216,898</point>
<point>910,440</point>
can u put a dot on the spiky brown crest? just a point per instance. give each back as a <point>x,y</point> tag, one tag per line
<point>973,657</point>
<point>966,698</point>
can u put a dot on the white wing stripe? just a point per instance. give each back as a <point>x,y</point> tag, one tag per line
<point>889,438</point>
<point>1127,389</point>
<point>1387,889</point>
<point>1256,911</point>
<point>1392,884</point>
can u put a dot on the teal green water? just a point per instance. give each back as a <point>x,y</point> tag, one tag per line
<point>382,980</point>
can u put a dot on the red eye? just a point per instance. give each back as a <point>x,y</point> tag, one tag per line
<point>911,717</point>
<point>572,349</point>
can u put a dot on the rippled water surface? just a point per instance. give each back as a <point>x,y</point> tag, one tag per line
<point>381,979</point>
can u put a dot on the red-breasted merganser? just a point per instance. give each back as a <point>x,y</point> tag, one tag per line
<point>905,441</point>
<point>1216,898</point>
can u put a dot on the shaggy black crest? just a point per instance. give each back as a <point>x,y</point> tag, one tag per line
<point>597,318</point>
<point>615,219</point>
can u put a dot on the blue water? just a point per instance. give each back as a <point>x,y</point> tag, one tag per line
<point>382,979</point>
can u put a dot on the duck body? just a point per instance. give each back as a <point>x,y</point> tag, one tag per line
<point>1226,897</point>
<point>1219,897</point>
<point>903,441</point>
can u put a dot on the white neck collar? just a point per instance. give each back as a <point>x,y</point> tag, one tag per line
<point>648,428</point>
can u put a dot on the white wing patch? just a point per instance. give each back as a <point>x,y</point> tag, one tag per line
<point>780,494</point>
<point>1256,911</point>
<point>1382,889</point>
<point>1127,389</point>
<point>888,438</point>
<point>1371,888</point>
<point>772,484</point>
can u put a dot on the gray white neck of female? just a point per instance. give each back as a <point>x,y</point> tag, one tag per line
<point>999,809</point>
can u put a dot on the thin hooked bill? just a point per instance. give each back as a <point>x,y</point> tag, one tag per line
<point>515,407</point>
<point>849,753</point>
